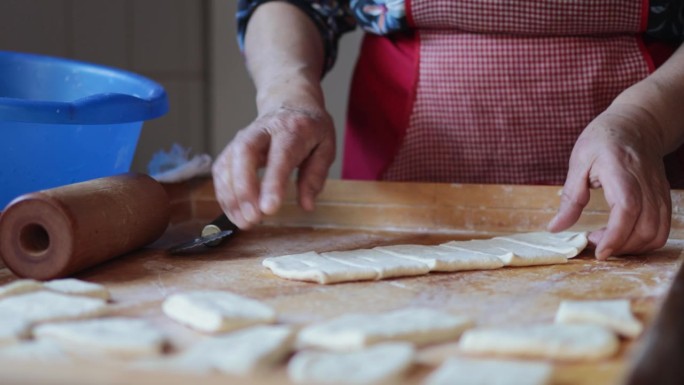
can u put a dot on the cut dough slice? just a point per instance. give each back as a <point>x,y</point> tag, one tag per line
<point>216,311</point>
<point>44,306</point>
<point>555,341</point>
<point>511,253</point>
<point>440,258</point>
<point>314,268</point>
<point>13,329</point>
<point>613,314</point>
<point>121,337</point>
<point>245,352</point>
<point>73,286</point>
<point>386,265</point>
<point>466,371</point>
<point>356,331</point>
<point>21,286</point>
<point>567,243</point>
<point>35,351</point>
<point>380,364</point>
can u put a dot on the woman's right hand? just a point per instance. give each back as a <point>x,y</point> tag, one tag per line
<point>280,141</point>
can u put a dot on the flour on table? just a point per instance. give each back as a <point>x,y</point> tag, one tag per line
<point>72,286</point>
<point>386,265</point>
<point>244,352</point>
<point>120,337</point>
<point>469,371</point>
<point>20,286</point>
<point>567,243</point>
<point>216,311</point>
<point>613,314</point>
<point>511,253</point>
<point>45,306</point>
<point>380,364</point>
<point>314,268</point>
<point>420,326</point>
<point>13,329</point>
<point>555,341</point>
<point>440,258</point>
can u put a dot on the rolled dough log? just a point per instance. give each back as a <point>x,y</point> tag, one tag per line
<point>386,265</point>
<point>21,286</point>
<point>120,337</point>
<point>555,341</point>
<point>315,268</point>
<point>440,258</point>
<point>380,364</point>
<point>216,311</point>
<point>44,306</point>
<point>511,253</point>
<point>349,332</point>
<point>72,286</point>
<point>567,243</point>
<point>468,371</point>
<point>613,314</point>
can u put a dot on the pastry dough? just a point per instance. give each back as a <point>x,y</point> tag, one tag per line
<point>613,314</point>
<point>355,331</point>
<point>380,364</point>
<point>554,341</point>
<point>512,253</point>
<point>440,258</point>
<point>386,265</point>
<point>121,337</point>
<point>44,306</point>
<point>20,286</point>
<point>314,268</point>
<point>73,286</point>
<point>13,329</point>
<point>567,243</point>
<point>216,311</point>
<point>469,371</point>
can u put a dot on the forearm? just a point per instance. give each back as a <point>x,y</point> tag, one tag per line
<point>661,96</point>
<point>285,57</point>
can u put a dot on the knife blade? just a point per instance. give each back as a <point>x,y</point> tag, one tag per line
<point>212,235</point>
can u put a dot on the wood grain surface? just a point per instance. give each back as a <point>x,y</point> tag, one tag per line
<point>365,214</point>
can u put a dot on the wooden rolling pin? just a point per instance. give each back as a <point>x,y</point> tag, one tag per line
<point>58,232</point>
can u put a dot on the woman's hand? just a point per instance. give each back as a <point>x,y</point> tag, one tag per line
<point>622,152</point>
<point>281,141</point>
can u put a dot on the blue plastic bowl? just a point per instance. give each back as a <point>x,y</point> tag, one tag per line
<point>64,121</point>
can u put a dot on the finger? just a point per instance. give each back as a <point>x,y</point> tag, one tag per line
<point>624,197</point>
<point>657,232</point>
<point>224,189</point>
<point>313,173</point>
<point>249,153</point>
<point>574,197</point>
<point>285,154</point>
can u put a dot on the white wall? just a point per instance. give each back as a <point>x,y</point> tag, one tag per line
<point>232,94</point>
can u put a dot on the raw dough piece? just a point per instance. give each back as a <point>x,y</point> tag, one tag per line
<point>244,352</point>
<point>21,286</point>
<point>356,331</point>
<point>32,351</point>
<point>13,329</point>
<point>380,364</point>
<point>613,314</point>
<point>440,258</point>
<point>216,311</point>
<point>314,268</point>
<point>72,286</point>
<point>512,253</point>
<point>386,265</point>
<point>466,371</point>
<point>122,337</point>
<point>44,306</point>
<point>567,243</point>
<point>555,341</point>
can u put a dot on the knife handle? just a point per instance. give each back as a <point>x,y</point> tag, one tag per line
<point>221,223</point>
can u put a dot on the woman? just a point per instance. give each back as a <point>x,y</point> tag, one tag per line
<point>471,92</point>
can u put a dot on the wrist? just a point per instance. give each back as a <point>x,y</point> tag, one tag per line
<point>290,94</point>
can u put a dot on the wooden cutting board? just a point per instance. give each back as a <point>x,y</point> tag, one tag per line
<point>366,214</point>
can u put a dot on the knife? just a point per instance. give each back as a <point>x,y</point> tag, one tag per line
<point>212,235</point>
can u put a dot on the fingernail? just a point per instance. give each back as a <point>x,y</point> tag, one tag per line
<point>268,204</point>
<point>604,254</point>
<point>248,212</point>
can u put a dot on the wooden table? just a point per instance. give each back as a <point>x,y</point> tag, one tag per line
<point>367,214</point>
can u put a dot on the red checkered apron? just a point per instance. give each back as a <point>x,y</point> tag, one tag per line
<point>489,91</point>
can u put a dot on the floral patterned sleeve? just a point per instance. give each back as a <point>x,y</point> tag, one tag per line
<point>332,17</point>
